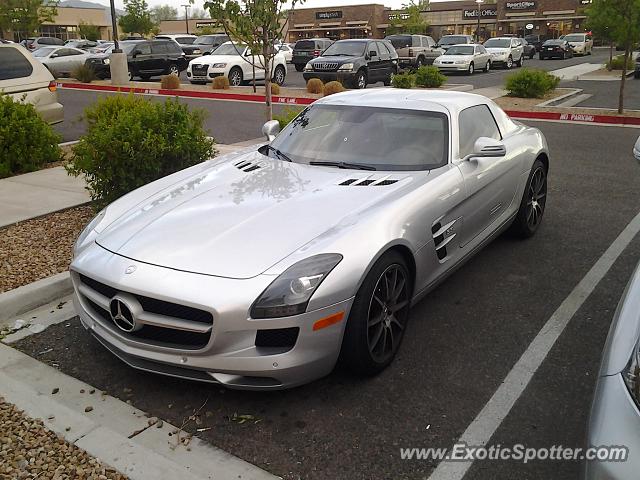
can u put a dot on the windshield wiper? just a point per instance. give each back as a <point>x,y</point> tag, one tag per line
<point>355,166</point>
<point>280,155</point>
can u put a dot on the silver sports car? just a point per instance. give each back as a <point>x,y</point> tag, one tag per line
<point>261,268</point>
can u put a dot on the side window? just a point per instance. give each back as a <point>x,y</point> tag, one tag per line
<point>64,52</point>
<point>476,122</point>
<point>159,47</point>
<point>416,41</point>
<point>143,49</point>
<point>75,52</point>
<point>382,48</point>
<point>13,64</point>
<point>430,41</point>
<point>371,47</point>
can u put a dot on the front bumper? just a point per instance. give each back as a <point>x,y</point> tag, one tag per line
<point>343,77</point>
<point>230,355</point>
<point>463,67</point>
<point>614,421</point>
<point>207,76</point>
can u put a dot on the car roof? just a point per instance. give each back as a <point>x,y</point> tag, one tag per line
<point>502,38</point>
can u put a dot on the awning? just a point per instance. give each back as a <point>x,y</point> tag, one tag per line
<point>383,25</point>
<point>543,19</point>
<point>332,24</point>
<point>365,22</point>
<point>304,25</point>
<point>364,27</point>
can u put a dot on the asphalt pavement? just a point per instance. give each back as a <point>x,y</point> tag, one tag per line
<point>462,340</point>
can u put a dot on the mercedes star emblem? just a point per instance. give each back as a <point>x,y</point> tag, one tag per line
<point>122,316</point>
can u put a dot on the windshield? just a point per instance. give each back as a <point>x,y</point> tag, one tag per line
<point>452,40</point>
<point>498,43</point>
<point>228,49</point>
<point>345,48</point>
<point>400,41</point>
<point>205,41</point>
<point>553,42</point>
<point>43,52</point>
<point>461,50</point>
<point>574,38</point>
<point>185,40</point>
<point>382,138</point>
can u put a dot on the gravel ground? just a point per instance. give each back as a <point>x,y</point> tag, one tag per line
<point>29,450</point>
<point>40,247</point>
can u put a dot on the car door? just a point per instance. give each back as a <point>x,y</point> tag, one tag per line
<point>75,58</point>
<point>517,50</point>
<point>56,60</point>
<point>386,67</point>
<point>481,57</point>
<point>490,183</point>
<point>159,56</point>
<point>431,52</point>
<point>374,62</point>
<point>248,65</point>
<point>143,59</point>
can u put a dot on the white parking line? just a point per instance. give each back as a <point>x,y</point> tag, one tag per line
<point>482,428</point>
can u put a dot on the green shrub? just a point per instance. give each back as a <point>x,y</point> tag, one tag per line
<point>27,142</point>
<point>286,116</point>
<point>332,87</point>
<point>403,80</point>
<point>84,73</point>
<point>429,77</point>
<point>131,141</point>
<point>530,83</point>
<point>618,61</point>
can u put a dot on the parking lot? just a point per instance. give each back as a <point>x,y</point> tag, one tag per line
<point>462,341</point>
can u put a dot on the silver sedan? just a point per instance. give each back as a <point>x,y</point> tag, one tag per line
<point>260,269</point>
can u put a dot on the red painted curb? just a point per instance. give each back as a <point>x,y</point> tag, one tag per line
<point>186,93</point>
<point>575,117</point>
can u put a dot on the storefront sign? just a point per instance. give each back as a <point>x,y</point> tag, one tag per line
<point>398,16</point>
<point>485,13</point>
<point>328,15</point>
<point>207,23</point>
<point>524,5</point>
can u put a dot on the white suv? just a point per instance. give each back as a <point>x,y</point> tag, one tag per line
<point>236,62</point>
<point>24,78</point>
<point>505,51</point>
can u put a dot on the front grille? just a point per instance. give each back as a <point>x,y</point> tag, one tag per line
<point>325,66</point>
<point>199,69</point>
<point>277,337</point>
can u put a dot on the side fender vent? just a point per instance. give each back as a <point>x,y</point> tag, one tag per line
<point>247,166</point>
<point>369,181</point>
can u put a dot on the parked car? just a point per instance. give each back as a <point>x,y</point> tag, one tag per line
<point>305,50</point>
<point>414,51</point>
<point>236,62</point>
<point>464,58</point>
<point>24,78</point>
<point>208,43</point>
<point>2,40</point>
<point>101,47</point>
<point>505,51</point>
<point>355,62</point>
<point>448,41</point>
<point>368,205</point>
<point>286,50</point>
<point>186,43</point>
<point>529,50</point>
<point>38,42</point>
<point>536,41</point>
<point>581,43</point>
<point>615,414</point>
<point>81,44</point>
<point>145,58</point>
<point>61,60</point>
<point>556,49</point>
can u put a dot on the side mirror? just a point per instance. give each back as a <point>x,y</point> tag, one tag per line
<point>271,129</point>
<point>373,53</point>
<point>636,150</point>
<point>54,55</point>
<point>487,147</point>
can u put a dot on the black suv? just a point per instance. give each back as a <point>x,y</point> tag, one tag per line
<point>305,50</point>
<point>355,63</point>
<point>208,43</point>
<point>146,59</point>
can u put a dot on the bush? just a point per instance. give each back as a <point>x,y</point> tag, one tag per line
<point>275,89</point>
<point>27,142</point>
<point>131,141</point>
<point>618,61</point>
<point>84,73</point>
<point>170,82</point>
<point>315,85</point>
<point>402,80</point>
<point>287,116</point>
<point>220,83</point>
<point>529,83</point>
<point>429,77</point>
<point>332,87</point>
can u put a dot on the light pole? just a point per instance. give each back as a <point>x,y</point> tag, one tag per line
<point>186,16</point>
<point>479,2</point>
<point>114,27</point>
<point>117,60</point>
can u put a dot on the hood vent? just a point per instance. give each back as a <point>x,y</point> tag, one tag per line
<point>369,182</point>
<point>247,166</point>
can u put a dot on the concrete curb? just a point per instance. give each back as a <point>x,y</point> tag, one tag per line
<point>561,98</point>
<point>29,297</point>
<point>116,433</point>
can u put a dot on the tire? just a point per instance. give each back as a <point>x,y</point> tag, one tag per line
<point>387,82</point>
<point>509,64</point>
<point>360,81</point>
<point>130,75</point>
<point>235,77</point>
<point>421,62</point>
<point>487,67</point>
<point>299,67</point>
<point>533,54</point>
<point>471,69</point>
<point>378,317</point>
<point>636,75</point>
<point>541,57</point>
<point>173,70</point>
<point>520,62</point>
<point>534,199</point>
<point>279,75</point>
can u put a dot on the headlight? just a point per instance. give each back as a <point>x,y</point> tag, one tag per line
<point>291,291</point>
<point>347,67</point>
<point>219,65</point>
<point>196,51</point>
<point>631,374</point>
<point>93,224</point>
<point>106,61</point>
<point>308,67</point>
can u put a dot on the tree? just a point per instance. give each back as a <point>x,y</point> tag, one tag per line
<point>26,16</point>
<point>620,19</point>
<point>89,31</point>
<point>257,24</point>
<point>197,13</point>
<point>137,18</point>
<point>410,19</point>
<point>160,13</point>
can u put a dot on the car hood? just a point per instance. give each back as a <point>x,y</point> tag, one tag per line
<point>454,57</point>
<point>235,220</point>
<point>340,59</point>
<point>211,59</point>
<point>498,50</point>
